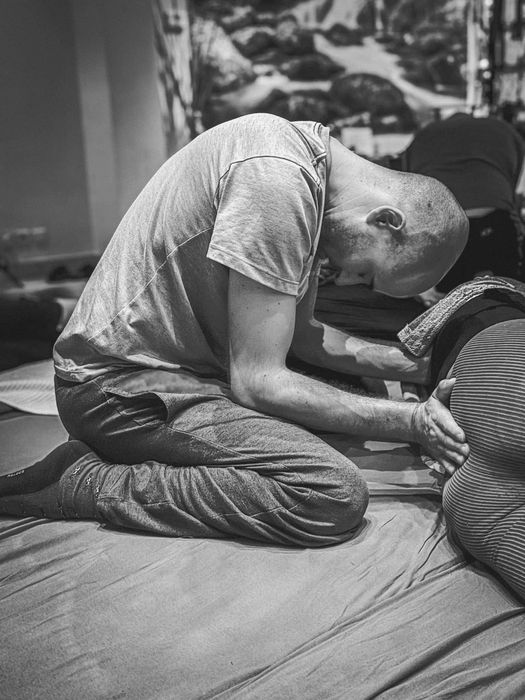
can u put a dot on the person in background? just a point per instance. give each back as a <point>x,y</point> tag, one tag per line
<point>172,375</point>
<point>480,160</point>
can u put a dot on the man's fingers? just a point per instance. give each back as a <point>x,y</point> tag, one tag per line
<point>440,433</point>
<point>443,390</point>
<point>452,456</point>
<point>440,413</point>
<point>439,466</point>
<point>456,458</point>
<point>449,467</point>
<point>448,462</point>
<point>450,441</point>
<point>445,425</point>
<point>448,426</point>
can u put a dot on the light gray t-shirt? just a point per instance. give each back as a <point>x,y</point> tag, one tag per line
<point>246,195</point>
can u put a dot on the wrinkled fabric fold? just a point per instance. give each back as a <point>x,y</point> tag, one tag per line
<point>418,335</point>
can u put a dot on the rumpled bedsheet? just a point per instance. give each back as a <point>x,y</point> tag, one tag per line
<point>91,612</point>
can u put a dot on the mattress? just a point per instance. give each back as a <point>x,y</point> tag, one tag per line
<point>89,611</point>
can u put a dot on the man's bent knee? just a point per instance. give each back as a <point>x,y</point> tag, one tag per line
<point>332,515</point>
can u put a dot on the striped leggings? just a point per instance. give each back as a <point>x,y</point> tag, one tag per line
<point>484,501</point>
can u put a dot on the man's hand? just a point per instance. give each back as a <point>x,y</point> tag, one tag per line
<point>436,430</point>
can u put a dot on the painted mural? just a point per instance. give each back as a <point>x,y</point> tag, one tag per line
<point>374,70</point>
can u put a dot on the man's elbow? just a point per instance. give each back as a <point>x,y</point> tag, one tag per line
<point>254,390</point>
<point>243,393</point>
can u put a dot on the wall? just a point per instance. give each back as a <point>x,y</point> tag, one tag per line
<point>43,180</point>
<point>81,130</point>
<point>139,140</point>
<point>123,137</point>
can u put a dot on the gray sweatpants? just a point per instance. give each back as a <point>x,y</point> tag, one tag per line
<point>195,464</point>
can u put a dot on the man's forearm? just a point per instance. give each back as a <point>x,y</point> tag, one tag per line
<point>319,406</point>
<point>333,349</point>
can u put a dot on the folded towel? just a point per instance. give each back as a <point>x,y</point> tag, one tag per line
<point>418,335</point>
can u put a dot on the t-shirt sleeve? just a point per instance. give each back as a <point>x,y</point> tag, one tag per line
<point>267,218</point>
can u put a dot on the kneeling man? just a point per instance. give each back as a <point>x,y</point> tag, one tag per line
<point>172,376</point>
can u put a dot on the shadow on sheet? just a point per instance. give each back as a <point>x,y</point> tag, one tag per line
<point>90,612</point>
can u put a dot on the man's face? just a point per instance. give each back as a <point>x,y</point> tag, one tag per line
<point>379,263</point>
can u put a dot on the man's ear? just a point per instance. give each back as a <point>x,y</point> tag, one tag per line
<point>387,217</point>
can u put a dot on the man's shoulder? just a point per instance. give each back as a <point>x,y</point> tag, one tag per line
<point>263,134</point>
<point>265,120</point>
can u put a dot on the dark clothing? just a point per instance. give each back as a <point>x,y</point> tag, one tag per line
<point>23,318</point>
<point>28,329</point>
<point>358,310</point>
<point>493,306</point>
<point>479,160</point>
<point>493,247</point>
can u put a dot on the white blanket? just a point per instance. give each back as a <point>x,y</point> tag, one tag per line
<point>30,388</point>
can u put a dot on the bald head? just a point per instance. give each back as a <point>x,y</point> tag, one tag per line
<point>430,207</point>
<point>398,232</point>
<point>436,227</point>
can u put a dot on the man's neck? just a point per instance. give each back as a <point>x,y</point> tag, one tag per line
<point>346,179</point>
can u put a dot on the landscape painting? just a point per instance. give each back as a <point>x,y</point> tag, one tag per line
<point>374,70</point>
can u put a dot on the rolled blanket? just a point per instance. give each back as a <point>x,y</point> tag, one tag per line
<point>418,335</point>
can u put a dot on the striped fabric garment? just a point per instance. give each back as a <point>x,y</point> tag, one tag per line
<point>484,501</point>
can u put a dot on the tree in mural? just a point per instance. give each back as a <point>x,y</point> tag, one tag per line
<point>183,42</point>
<point>429,36</point>
<point>219,59</point>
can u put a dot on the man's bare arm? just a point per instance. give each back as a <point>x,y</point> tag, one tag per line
<point>261,323</point>
<point>324,346</point>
